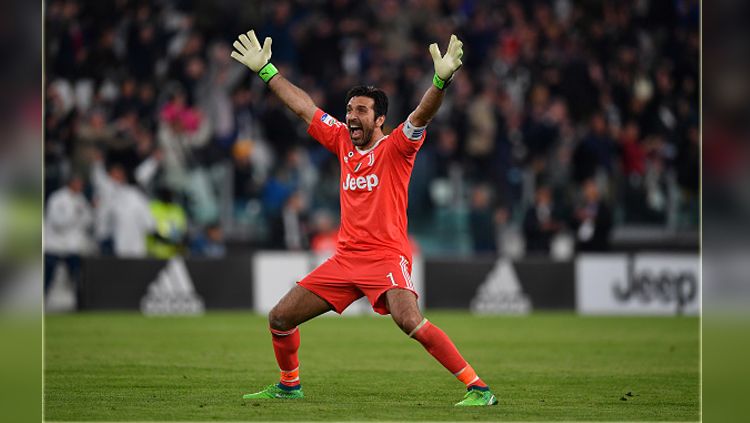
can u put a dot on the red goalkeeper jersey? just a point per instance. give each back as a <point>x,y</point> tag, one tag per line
<point>374,186</point>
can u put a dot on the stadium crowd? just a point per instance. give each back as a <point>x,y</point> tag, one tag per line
<point>568,117</point>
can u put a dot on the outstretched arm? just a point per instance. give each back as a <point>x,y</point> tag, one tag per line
<point>445,67</point>
<point>428,107</point>
<point>295,99</point>
<point>249,52</point>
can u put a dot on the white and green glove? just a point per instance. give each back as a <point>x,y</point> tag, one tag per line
<point>251,54</point>
<point>446,66</point>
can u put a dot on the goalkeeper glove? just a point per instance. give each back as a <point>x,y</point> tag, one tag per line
<point>249,52</point>
<point>447,65</point>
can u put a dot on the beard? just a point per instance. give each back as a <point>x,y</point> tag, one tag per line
<point>365,137</point>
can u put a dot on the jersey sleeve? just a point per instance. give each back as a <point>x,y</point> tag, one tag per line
<point>409,138</point>
<point>326,130</point>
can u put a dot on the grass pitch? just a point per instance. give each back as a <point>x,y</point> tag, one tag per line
<point>125,367</point>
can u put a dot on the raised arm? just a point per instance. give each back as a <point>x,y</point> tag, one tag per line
<point>295,99</point>
<point>445,67</point>
<point>249,52</point>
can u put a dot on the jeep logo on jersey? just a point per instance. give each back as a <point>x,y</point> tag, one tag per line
<point>367,182</point>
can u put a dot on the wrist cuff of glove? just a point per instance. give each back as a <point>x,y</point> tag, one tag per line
<point>440,83</point>
<point>267,72</point>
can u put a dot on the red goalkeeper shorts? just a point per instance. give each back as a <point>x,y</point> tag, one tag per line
<point>341,280</point>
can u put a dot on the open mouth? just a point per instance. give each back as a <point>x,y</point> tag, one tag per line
<point>355,131</point>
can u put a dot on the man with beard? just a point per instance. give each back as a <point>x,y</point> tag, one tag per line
<point>373,255</point>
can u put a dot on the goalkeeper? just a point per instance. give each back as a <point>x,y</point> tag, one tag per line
<point>373,256</point>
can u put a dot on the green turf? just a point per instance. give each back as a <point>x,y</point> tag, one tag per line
<point>116,367</point>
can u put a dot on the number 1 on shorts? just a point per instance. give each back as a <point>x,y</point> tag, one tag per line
<point>390,276</point>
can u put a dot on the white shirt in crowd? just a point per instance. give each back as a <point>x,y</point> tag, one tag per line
<point>104,192</point>
<point>104,188</point>
<point>66,225</point>
<point>128,215</point>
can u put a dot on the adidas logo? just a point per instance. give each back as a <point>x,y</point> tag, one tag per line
<point>172,292</point>
<point>501,292</point>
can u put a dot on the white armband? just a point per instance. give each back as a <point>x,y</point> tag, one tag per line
<point>412,132</point>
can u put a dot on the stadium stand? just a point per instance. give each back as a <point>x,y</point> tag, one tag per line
<point>571,96</point>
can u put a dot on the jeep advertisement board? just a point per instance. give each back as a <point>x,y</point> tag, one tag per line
<point>643,283</point>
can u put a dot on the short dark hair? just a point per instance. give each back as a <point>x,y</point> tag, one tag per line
<point>378,96</point>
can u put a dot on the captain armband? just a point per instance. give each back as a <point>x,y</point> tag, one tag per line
<point>412,132</point>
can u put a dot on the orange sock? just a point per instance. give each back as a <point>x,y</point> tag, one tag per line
<point>437,343</point>
<point>285,346</point>
<point>469,377</point>
<point>290,378</point>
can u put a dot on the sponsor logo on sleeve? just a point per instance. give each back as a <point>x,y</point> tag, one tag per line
<point>329,120</point>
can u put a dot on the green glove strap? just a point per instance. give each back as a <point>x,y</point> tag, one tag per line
<point>439,83</point>
<point>267,72</point>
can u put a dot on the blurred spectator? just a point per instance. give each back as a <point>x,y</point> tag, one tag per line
<point>280,127</point>
<point>127,101</point>
<point>170,235</point>
<point>246,179</point>
<point>94,134</point>
<point>688,176</point>
<point>447,152</point>
<point>183,132</point>
<point>325,234</point>
<point>279,26</point>
<point>59,115</point>
<point>632,153</point>
<point>595,152</point>
<point>303,174</point>
<point>67,225</point>
<point>124,214</point>
<point>290,228</point>
<point>541,222</point>
<point>480,139</point>
<point>222,76</point>
<point>320,51</point>
<point>209,243</point>
<point>105,179</point>
<point>482,221</point>
<point>593,220</point>
<point>541,126</point>
<point>656,181</point>
<point>143,42</point>
<point>146,106</point>
<point>277,190</point>
<point>295,174</point>
<point>104,183</point>
<point>502,218</point>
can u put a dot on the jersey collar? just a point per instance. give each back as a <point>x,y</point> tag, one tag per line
<point>363,152</point>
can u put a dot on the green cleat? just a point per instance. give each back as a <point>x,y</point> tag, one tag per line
<point>274,392</point>
<point>477,397</point>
